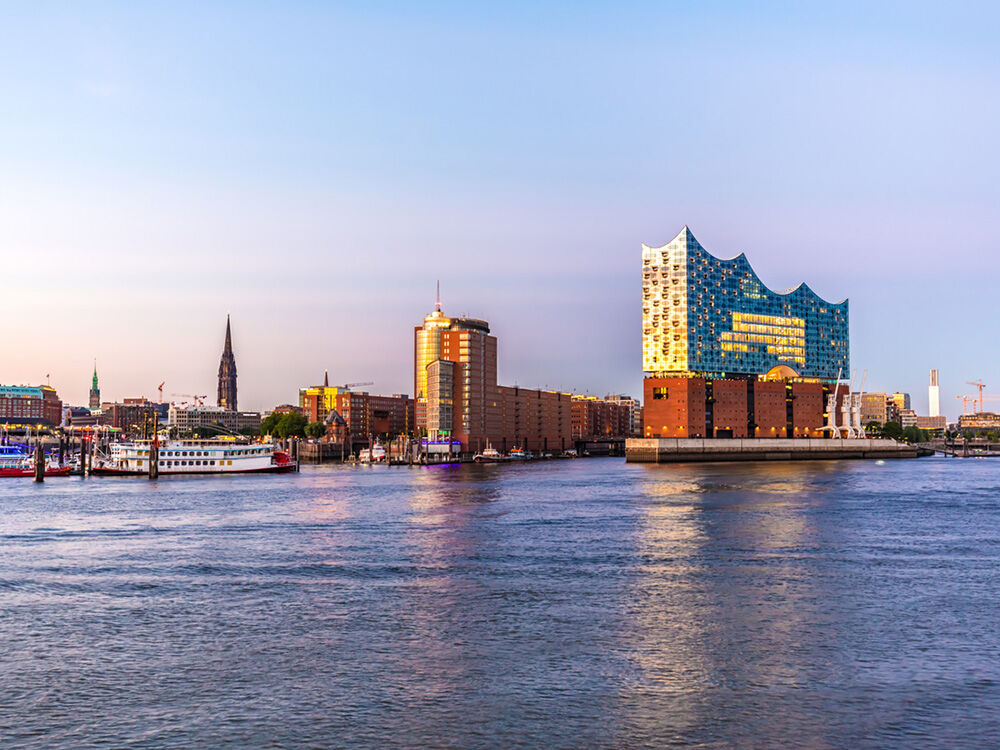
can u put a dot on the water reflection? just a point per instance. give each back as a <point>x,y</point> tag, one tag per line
<point>589,603</point>
<point>723,600</point>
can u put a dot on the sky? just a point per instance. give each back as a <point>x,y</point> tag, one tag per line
<point>313,168</point>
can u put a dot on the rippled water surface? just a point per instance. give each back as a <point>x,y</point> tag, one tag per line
<point>582,603</point>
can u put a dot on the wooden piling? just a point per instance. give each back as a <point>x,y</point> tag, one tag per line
<point>39,463</point>
<point>154,449</point>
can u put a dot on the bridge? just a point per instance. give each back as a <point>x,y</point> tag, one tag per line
<point>962,448</point>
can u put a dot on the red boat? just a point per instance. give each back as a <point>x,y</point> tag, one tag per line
<point>15,461</point>
<point>59,471</point>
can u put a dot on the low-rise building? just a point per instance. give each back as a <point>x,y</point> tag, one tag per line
<point>317,401</point>
<point>600,419</point>
<point>634,412</point>
<point>358,416</point>
<point>134,415</point>
<point>984,420</point>
<point>187,419</point>
<point>875,407</point>
<point>939,422</point>
<point>30,405</point>
<point>534,419</point>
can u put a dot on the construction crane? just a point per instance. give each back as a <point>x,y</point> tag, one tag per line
<point>965,402</point>
<point>348,386</point>
<point>197,399</point>
<point>979,384</point>
<point>160,389</point>
<point>980,398</point>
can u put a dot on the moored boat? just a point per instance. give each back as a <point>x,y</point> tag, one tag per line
<point>490,455</point>
<point>520,454</point>
<point>16,461</point>
<point>375,455</point>
<point>208,456</point>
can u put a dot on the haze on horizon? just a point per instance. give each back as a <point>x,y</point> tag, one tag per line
<point>314,169</point>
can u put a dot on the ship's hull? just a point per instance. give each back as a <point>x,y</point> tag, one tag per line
<point>62,471</point>
<point>110,472</point>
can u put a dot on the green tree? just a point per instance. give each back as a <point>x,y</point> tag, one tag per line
<point>269,423</point>
<point>291,424</point>
<point>892,430</point>
<point>315,429</point>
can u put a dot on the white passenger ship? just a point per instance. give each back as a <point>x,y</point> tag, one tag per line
<point>193,457</point>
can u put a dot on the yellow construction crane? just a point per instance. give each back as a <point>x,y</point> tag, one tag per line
<point>980,398</point>
<point>980,385</point>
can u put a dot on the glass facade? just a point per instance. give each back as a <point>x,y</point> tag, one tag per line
<point>714,317</point>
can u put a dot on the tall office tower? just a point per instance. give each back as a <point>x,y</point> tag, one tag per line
<point>227,373</point>
<point>95,391</point>
<point>457,400</point>
<point>933,396</point>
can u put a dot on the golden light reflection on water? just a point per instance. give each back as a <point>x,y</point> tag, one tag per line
<point>722,597</point>
<point>445,502</point>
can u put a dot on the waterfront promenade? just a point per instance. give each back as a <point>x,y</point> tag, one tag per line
<point>562,604</point>
<point>683,450</point>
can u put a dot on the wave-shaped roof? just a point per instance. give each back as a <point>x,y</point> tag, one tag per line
<point>740,262</point>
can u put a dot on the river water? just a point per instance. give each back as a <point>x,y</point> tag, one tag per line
<point>584,603</point>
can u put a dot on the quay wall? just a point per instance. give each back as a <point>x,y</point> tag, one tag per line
<point>675,450</point>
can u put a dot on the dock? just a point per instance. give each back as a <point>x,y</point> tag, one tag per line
<point>677,450</point>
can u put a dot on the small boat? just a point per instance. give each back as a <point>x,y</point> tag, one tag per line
<point>570,453</point>
<point>490,455</point>
<point>208,456</point>
<point>520,454</point>
<point>375,455</point>
<point>16,461</point>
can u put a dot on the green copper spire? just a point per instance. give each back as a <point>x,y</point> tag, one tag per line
<point>95,391</point>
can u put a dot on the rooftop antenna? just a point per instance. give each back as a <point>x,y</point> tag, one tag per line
<point>437,301</point>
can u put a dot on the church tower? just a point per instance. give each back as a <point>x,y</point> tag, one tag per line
<point>95,391</point>
<point>227,373</point>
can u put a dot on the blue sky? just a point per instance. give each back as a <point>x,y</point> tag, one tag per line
<point>314,168</point>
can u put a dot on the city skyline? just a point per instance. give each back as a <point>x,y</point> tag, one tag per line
<point>853,378</point>
<point>315,186</point>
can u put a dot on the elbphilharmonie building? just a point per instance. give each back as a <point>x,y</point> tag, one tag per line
<point>714,317</point>
<point>725,356</point>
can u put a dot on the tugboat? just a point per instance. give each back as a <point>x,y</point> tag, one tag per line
<point>209,456</point>
<point>16,461</point>
<point>490,455</point>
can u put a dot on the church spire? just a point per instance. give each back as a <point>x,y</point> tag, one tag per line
<point>227,372</point>
<point>95,391</point>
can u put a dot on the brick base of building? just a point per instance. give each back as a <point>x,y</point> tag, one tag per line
<point>682,407</point>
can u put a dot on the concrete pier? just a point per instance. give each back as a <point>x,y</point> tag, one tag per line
<point>675,450</point>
